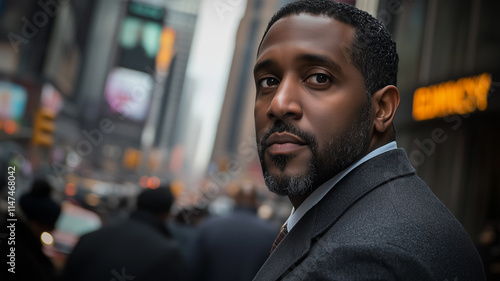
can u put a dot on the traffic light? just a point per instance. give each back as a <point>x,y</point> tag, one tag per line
<point>132,158</point>
<point>166,50</point>
<point>44,127</point>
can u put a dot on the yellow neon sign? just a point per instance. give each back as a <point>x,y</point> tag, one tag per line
<point>453,97</point>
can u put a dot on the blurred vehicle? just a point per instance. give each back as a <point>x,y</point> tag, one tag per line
<point>73,222</point>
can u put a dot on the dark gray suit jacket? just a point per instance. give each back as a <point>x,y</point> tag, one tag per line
<point>380,222</point>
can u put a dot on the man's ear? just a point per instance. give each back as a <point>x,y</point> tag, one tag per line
<point>385,102</point>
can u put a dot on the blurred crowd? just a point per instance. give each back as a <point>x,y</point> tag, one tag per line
<point>60,239</point>
<point>154,239</point>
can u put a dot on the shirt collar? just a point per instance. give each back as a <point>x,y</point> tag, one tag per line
<point>323,189</point>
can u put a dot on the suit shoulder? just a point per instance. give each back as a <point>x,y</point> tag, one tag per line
<point>405,217</point>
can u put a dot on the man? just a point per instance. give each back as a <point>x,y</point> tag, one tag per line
<point>235,246</point>
<point>326,97</point>
<point>139,248</point>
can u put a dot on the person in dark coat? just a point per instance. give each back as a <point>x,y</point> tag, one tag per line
<point>234,247</point>
<point>37,212</point>
<point>326,98</point>
<point>138,248</point>
<point>184,227</point>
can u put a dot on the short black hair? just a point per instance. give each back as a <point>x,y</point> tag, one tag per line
<point>373,51</point>
<point>156,201</point>
<point>38,206</point>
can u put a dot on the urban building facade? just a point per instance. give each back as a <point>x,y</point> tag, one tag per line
<point>92,87</point>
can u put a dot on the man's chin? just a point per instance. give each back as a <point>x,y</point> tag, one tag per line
<point>285,185</point>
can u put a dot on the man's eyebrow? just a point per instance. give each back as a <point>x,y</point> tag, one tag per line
<point>263,64</point>
<point>309,58</point>
<point>321,60</point>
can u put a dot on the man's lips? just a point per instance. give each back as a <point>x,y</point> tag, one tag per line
<point>284,143</point>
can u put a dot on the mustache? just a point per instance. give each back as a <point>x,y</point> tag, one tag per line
<point>286,126</point>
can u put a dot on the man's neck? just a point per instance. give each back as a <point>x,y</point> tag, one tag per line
<point>297,200</point>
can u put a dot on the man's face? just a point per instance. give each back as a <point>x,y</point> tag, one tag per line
<point>312,115</point>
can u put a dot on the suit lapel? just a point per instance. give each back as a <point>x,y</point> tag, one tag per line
<point>363,179</point>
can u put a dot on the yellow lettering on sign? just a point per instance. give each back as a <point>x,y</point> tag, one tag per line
<point>463,96</point>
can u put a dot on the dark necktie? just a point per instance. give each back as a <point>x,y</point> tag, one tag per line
<point>280,237</point>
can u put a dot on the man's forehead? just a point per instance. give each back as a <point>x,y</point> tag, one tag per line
<point>311,34</point>
<point>308,27</point>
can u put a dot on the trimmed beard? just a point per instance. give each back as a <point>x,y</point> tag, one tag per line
<point>340,152</point>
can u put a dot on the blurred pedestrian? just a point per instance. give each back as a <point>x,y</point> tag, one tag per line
<point>137,248</point>
<point>184,227</point>
<point>234,247</point>
<point>37,213</point>
<point>326,98</point>
<point>489,249</point>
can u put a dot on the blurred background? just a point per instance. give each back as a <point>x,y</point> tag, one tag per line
<point>109,97</point>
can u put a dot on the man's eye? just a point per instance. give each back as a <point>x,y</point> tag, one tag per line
<point>318,79</point>
<point>268,82</point>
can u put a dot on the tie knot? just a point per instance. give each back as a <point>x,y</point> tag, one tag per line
<point>284,229</point>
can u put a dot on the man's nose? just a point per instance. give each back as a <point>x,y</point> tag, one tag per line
<point>286,102</point>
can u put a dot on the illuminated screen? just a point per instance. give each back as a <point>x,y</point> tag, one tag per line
<point>12,101</point>
<point>128,92</point>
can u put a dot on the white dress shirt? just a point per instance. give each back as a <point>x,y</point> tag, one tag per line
<point>323,189</point>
